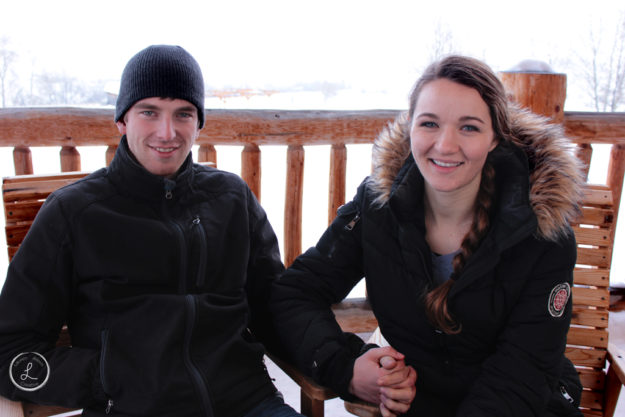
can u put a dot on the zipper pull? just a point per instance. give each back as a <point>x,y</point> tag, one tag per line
<point>109,406</point>
<point>196,221</point>
<point>169,186</point>
<point>350,226</point>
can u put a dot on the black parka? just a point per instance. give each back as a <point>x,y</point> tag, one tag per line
<point>507,360</point>
<point>159,282</point>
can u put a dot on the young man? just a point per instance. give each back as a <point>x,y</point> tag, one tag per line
<point>160,268</point>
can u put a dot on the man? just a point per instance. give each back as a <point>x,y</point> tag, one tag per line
<point>160,268</point>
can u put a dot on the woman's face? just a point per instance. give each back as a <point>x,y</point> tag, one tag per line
<point>451,135</point>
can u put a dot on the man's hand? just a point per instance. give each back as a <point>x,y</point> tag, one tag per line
<point>382,377</point>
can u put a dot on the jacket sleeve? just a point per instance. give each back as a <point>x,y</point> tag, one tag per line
<point>264,266</point>
<point>302,299</point>
<point>34,306</point>
<point>520,376</point>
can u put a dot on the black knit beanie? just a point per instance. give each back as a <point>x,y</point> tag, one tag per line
<point>161,71</point>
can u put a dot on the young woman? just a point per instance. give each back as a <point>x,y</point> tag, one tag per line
<point>462,235</point>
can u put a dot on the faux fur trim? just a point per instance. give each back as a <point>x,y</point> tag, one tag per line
<point>555,179</point>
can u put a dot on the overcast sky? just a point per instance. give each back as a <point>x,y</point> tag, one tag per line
<point>372,45</point>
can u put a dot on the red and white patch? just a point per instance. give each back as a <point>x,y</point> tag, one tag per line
<point>558,299</point>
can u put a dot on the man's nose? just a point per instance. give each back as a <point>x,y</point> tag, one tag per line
<point>166,130</point>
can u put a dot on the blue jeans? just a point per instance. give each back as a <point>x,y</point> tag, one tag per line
<point>273,406</point>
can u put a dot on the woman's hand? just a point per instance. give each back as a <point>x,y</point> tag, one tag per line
<point>382,377</point>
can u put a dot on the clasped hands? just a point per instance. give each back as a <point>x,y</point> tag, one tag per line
<point>382,377</point>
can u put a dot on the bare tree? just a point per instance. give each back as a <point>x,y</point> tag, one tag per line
<point>7,57</point>
<point>603,71</point>
<point>443,42</point>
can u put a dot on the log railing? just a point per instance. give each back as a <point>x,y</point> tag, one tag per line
<point>70,128</point>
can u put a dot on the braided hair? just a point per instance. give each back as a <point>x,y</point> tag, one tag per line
<point>475,74</point>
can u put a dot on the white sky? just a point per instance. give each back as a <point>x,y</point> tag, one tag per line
<point>368,45</point>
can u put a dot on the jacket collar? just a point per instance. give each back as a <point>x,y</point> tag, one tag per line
<point>132,179</point>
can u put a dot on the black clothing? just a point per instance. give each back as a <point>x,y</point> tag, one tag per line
<point>507,360</point>
<point>160,282</point>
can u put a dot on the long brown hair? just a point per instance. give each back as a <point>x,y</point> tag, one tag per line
<point>475,74</point>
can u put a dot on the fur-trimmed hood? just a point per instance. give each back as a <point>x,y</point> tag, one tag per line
<point>555,173</point>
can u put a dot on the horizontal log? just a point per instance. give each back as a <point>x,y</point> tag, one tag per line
<point>595,297</point>
<point>584,316</point>
<point>590,127</point>
<point>69,126</point>
<point>599,277</point>
<point>593,236</point>
<point>580,336</point>
<point>594,358</point>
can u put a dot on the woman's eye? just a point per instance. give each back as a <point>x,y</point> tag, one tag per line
<point>428,124</point>
<point>470,128</point>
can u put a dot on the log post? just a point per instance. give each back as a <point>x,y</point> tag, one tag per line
<point>616,172</point>
<point>338,170</point>
<point>207,153</point>
<point>250,168</point>
<point>22,160</point>
<point>70,159</point>
<point>110,153</point>
<point>293,203</point>
<point>543,93</point>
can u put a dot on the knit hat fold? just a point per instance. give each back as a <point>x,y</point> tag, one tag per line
<point>163,71</point>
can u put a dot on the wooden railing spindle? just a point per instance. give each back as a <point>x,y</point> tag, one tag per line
<point>583,152</point>
<point>22,160</point>
<point>338,171</point>
<point>207,153</point>
<point>70,159</point>
<point>110,153</point>
<point>293,203</point>
<point>250,168</point>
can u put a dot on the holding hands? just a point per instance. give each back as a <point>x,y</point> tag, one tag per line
<point>382,377</point>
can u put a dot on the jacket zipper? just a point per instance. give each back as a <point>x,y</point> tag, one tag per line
<point>193,370</point>
<point>196,376</point>
<point>352,223</point>
<point>201,270</point>
<point>182,253</point>
<point>104,348</point>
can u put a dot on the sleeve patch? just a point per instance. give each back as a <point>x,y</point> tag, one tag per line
<point>558,298</point>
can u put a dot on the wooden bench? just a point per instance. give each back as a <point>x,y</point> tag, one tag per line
<point>588,340</point>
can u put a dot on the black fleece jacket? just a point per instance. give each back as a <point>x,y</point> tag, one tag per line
<point>163,285</point>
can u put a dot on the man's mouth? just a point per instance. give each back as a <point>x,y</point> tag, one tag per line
<point>164,150</point>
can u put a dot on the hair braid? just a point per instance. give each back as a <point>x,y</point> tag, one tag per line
<point>436,300</point>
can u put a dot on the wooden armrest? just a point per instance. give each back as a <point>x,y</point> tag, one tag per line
<point>363,409</point>
<point>616,358</point>
<point>615,378</point>
<point>306,383</point>
<point>10,408</point>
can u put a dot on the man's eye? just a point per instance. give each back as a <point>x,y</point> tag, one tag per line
<point>185,115</point>
<point>147,113</point>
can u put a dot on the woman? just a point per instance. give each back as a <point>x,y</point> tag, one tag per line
<point>462,235</point>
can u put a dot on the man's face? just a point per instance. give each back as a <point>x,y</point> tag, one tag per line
<point>160,133</point>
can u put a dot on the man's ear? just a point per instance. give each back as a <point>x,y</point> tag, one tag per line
<point>121,126</point>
